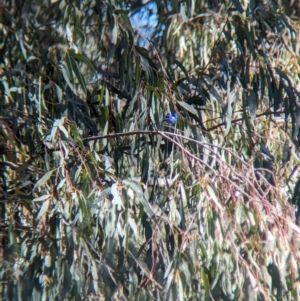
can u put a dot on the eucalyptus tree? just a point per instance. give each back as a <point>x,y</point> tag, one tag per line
<point>149,150</point>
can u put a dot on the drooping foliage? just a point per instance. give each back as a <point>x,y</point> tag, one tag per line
<point>101,199</point>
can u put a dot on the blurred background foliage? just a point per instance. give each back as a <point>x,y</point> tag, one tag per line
<point>100,199</point>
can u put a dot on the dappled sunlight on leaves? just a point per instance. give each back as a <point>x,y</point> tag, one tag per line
<point>102,197</point>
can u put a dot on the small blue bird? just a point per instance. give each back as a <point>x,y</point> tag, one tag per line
<point>171,118</point>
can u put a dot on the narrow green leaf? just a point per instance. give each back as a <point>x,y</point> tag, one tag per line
<point>213,195</point>
<point>43,180</point>
<point>135,187</point>
<point>83,59</point>
<point>69,68</point>
<point>147,69</point>
<point>77,178</point>
<point>182,69</point>
<point>59,93</point>
<point>42,198</point>
<point>83,205</point>
<point>78,74</point>
<point>31,58</point>
<point>180,290</point>
<point>140,196</point>
<point>6,137</point>
<point>66,74</point>
<point>61,184</point>
<point>114,36</point>
<point>187,107</point>
<point>232,99</point>
<point>214,93</point>
<point>43,209</point>
<point>122,13</point>
<point>74,132</point>
<point>78,31</point>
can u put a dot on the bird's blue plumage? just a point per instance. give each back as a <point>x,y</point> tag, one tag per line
<point>171,118</point>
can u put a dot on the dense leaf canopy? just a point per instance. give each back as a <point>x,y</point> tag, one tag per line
<point>101,198</point>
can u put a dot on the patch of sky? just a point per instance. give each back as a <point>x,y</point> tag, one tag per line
<point>144,19</point>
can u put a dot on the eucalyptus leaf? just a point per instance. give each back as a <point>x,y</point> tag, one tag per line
<point>43,180</point>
